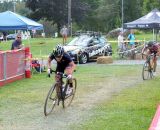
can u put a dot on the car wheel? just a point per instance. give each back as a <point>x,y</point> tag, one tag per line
<point>108,53</point>
<point>83,58</point>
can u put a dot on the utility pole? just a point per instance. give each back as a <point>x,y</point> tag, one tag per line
<point>122,17</point>
<point>14,6</point>
<point>69,17</point>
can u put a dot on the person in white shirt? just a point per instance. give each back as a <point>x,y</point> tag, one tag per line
<point>64,33</point>
<point>121,45</point>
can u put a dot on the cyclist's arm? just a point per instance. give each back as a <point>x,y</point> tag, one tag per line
<point>49,63</point>
<point>143,50</point>
<point>158,52</point>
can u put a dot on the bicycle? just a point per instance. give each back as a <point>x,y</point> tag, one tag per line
<point>57,94</point>
<point>147,71</point>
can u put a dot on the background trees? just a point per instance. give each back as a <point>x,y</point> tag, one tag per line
<point>57,10</point>
<point>95,15</point>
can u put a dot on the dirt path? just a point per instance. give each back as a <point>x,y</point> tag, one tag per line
<point>76,113</point>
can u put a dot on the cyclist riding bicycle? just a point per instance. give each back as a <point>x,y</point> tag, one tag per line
<point>64,64</point>
<point>152,48</point>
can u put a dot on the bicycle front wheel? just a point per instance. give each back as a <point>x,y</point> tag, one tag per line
<point>50,101</point>
<point>69,98</point>
<point>146,72</point>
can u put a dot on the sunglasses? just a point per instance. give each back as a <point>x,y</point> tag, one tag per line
<point>58,56</point>
<point>18,37</point>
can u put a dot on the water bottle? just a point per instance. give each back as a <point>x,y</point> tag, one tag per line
<point>63,87</point>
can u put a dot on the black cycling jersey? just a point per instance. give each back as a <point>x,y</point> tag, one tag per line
<point>66,59</point>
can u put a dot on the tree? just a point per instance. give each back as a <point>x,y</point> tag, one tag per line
<point>132,10</point>
<point>109,13</point>
<point>21,9</point>
<point>6,6</point>
<point>149,5</point>
<point>57,10</point>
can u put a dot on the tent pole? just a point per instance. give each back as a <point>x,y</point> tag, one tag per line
<point>44,37</point>
<point>156,34</point>
<point>153,34</point>
<point>28,39</point>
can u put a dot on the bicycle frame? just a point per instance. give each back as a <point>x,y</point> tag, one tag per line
<point>57,93</point>
<point>59,89</point>
<point>148,60</point>
<point>148,67</point>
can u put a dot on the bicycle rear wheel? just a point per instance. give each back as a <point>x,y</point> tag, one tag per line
<point>146,72</point>
<point>69,98</point>
<point>51,100</point>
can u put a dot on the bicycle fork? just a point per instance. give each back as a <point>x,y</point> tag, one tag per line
<point>61,93</point>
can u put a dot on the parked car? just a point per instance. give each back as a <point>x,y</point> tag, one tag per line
<point>86,47</point>
<point>11,37</point>
<point>1,38</point>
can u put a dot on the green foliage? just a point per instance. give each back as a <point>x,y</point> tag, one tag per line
<point>149,5</point>
<point>57,11</point>
<point>94,15</point>
<point>132,10</point>
<point>40,47</point>
<point>6,6</point>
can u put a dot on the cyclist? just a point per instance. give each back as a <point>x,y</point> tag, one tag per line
<point>152,48</point>
<point>64,64</point>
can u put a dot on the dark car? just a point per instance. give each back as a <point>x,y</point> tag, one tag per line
<point>11,37</point>
<point>86,47</point>
<point>1,38</point>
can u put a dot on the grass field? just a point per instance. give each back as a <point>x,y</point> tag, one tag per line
<point>21,104</point>
<point>42,47</point>
<point>132,109</point>
<point>107,98</point>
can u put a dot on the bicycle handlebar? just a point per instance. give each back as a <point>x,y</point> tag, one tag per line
<point>59,73</point>
<point>148,55</point>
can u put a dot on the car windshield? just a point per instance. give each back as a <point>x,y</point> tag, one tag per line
<point>80,41</point>
<point>102,40</point>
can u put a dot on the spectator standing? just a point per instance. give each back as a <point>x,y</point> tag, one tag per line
<point>4,36</point>
<point>121,45</point>
<point>17,44</point>
<point>64,33</point>
<point>131,38</point>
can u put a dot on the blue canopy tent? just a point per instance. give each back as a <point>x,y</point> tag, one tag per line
<point>13,21</point>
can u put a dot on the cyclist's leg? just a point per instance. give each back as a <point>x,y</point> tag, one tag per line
<point>57,78</point>
<point>65,38</point>
<point>154,63</point>
<point>68,71</point>
<point>133,46</point>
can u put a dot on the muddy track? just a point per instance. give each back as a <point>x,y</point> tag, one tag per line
<point>62,119</point>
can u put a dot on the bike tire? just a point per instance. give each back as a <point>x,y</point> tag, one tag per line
<point>69,98</point>
<point>50,102</point>
<point>146,72</point>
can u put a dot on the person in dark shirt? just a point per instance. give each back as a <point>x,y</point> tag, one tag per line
<point>64,64</point>
<point>17,44</point>
<point>4,36</point>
